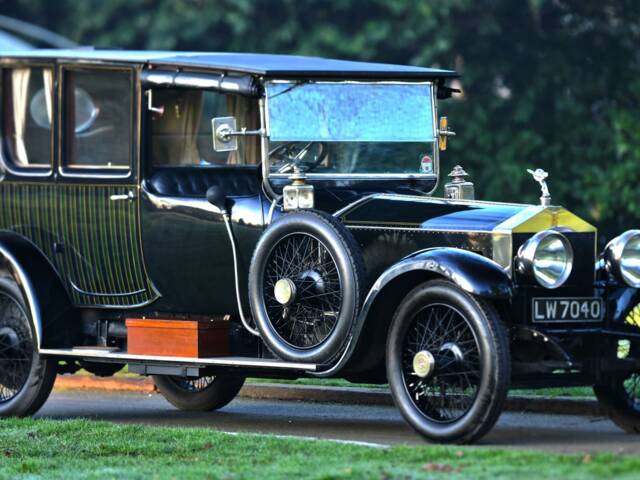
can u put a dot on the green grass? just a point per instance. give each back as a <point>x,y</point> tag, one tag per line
<point>86,449</point>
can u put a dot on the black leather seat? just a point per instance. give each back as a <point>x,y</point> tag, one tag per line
<point>239,180</point>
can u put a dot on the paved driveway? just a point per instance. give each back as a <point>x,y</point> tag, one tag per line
<point>378,424</point>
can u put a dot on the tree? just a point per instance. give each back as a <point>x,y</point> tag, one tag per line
<point>547,83</point>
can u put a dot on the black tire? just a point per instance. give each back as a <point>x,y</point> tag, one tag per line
<point>319,257</point>
<point>202,394</point>
<point>620,400</point>
<point>463,396</point>
<point>26,379</point>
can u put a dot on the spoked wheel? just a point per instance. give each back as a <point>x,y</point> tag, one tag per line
<point>199,394</point>
<point>448,363</point>
<point>302,290</point>
<point>305,286</point>
<point>25,378</point>
<point>16,349</point>
<point>620,400</point>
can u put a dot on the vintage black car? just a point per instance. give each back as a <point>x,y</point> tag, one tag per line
<point>204,217</point>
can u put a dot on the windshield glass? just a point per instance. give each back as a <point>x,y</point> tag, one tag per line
<point>351,128</point>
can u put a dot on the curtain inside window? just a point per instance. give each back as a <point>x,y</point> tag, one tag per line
<point>20,90</point>
<point>246,113</point>
<point>174,132</point>
<point>47,76</point>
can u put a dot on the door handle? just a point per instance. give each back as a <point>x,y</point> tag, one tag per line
<point>125,196</point>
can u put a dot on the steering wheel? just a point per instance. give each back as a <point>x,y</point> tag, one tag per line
<point>305,156</point>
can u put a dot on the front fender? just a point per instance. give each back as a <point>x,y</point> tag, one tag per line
<point>472,272</point>
<point>621,302</point>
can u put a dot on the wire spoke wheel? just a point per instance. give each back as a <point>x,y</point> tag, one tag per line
<point>449,393</point>
<point>448,362</point>
<point>619,397</point>
<point>306,313</point>
<point>631,386</point>
<point>306,282</point>
<point>16,348</point>
<point>193,385</point>
<point>201,394</point>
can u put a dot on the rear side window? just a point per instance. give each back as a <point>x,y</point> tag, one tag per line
<point>98,119</point>
<point>27,105</point>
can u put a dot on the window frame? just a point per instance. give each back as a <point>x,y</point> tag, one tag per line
<point>147,128</point>
<point>97,171</point>
<point>6,156</point>
<point>361,176</point>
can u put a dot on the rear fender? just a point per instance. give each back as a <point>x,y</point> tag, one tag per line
<point>50,309</point>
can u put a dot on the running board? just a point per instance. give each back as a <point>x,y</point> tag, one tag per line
<point>247,362</point>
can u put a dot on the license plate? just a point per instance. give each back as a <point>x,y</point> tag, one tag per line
<point>567,310</point>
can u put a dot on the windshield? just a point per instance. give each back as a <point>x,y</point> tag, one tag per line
<point>351,128</point>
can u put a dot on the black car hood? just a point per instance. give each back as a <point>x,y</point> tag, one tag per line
<point>404,211</point>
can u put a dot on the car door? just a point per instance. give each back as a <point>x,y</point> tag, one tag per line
<point>187,249</point>
<point>98,248</point>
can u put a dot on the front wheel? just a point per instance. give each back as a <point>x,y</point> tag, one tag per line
<point>620,400</point>
<point>201,394</point>
<point>448,363</point>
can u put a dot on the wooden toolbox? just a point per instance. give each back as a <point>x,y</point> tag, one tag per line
<point>177,338</point>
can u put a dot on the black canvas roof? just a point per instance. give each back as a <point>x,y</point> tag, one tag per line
<point>255,63</point>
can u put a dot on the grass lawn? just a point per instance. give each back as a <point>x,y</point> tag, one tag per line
<point>86,449</point>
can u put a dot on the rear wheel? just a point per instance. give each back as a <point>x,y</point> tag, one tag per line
<point>201,394</point>
<point>26,379</point>
<point>448,363</point>
<point>620,400</point>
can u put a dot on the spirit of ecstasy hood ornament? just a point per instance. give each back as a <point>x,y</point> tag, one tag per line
<point>540,176</point>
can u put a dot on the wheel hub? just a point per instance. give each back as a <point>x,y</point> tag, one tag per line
<point>423,363</point>
<point>285,291</point>
<point>8,338</point>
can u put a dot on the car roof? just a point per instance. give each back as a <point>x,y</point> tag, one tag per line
<point>267,65</point>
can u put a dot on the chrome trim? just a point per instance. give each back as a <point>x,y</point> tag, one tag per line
<point>170,203</point>
<point>525,258</point>
<point>443,201</point>
<point>232,84</point>
<point>353,205</point>
<point>414,229</point>
<point>612,257</point>
<point>25,172</point>
<point>436,146</point>
<point>27,287</point>
<point>130,195</point>
<point>91,294</point>
<point>89,173</point>
<point>220,361</point>
<point>362,176</point>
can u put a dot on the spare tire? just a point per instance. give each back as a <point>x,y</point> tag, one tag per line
<point>306,283</point>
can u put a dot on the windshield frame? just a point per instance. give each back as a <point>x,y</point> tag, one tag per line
<point>356,176</point>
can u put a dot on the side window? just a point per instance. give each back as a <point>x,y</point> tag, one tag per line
<point>27,105</point>
<point>98,119</point>
<point>181,135</point>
